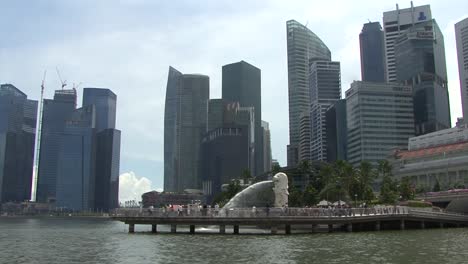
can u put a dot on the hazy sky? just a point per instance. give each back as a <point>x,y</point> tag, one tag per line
<point>128,45</point>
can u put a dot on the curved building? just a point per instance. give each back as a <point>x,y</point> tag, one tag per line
<point>304,47</point>
<point>184,125</point>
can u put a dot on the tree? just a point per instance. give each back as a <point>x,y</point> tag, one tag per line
<point>436,187</point>
<point>246,175</point>
<point>310,196</point>
<point>366,176</point>
<point>232,189</point>
<point>275,169</point>
<point>406,190</point>
<point>388,190</point>
<point>295,198</point>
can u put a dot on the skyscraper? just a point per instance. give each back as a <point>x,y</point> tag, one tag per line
<point>379,119</point>
<point>420,62</point>
<point>106,191</point>
<point>396,22</point>
<point>372,45</point>
<point>184,125</point>
<point>105,102</point>
<point>56,112</point>
<point>461,35</point>
<point>337,131</point>
<point>242,83</point>
<point>266,146</point>
<point>76,170</point>
<point>325,90</point>
<point>17,133</point>
<point>302,47</point>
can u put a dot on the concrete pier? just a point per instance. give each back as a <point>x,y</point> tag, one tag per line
<point>173,228</point>
<point>153,228</point>
<point>330,228</point>
<point>274,230</point>
<point>236,229</point>
<point>423,225</point>
<point>222,229</point>
<point>349,227</point>
<point>402,225</point>
<point>131,228</point>
<point>192,229</point>
<point>377,226</point>
<point>287,229</point>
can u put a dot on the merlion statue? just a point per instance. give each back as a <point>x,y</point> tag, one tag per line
<point>280,189</point>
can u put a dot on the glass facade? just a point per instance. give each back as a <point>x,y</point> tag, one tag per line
<point>372,46</point>
<point>17,133</point>
<point>303,46</point>
<point>241,83</point>
<point>420,61</point>
<point>337,131</point>
<point>461,35</point>
<point>105,102</point>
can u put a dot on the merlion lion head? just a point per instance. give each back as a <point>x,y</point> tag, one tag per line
<point>281,181</point>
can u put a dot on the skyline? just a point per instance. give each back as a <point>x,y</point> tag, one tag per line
<point>128,49</point>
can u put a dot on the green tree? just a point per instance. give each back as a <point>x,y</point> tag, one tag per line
<point>388,190</point>
<point>310,196</point>
<point>366,177</point>
<point>275,169</point>
<point>246,175</point>
<point>436,187</point>
<point>406,190</point>
<point>295,197</point>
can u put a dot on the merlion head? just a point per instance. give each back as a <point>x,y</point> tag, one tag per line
<point>281,181</point>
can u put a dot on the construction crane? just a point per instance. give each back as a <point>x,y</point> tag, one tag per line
<point>64,83</point>
<point>38,141</point>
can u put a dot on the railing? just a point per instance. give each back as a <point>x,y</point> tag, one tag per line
<point>263,212</point>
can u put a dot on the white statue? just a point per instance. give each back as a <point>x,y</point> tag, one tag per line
<point>280,189</point>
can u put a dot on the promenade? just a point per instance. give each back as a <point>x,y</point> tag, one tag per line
<point>337,219</point>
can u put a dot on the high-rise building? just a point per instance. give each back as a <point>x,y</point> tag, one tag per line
<point>461,35</point>
<point>107,147</point>
<point>379,119</point>
<point>266,146</point>
<point>170,129</point>
<point>303,46</point>
<point>55,114</point>
<point>337,131</point>
<point>226,151</point>
<point>17,133</point>
<point>76,170</point>
<point>242,83</point>
<point>372,45</point>
<point>304,137</point>
<point>420,63</point>
<point>105,102</point>
<point>184,126</point>
<point>396,22</point>
<point>325,90</point>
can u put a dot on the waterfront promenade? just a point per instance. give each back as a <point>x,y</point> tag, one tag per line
<point>279,219</point>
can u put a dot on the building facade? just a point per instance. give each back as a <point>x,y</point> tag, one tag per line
<point>337,131</point>
<point>266,146</point>
<point>55,114</point>
<point>17,134</point>
<point>325,90</point>
<point>461,36</point>
<point>396,22</point>
<point>105,102</point>
<point>302,47</point>
<point>372,46</point>
<point>241,83</point>
<point>420,63</point>
<point>379,119</point>
<point>184,125</point>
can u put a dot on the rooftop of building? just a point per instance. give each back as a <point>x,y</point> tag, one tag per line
<point>431,151</point>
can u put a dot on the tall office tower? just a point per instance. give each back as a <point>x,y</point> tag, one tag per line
<point>304,137</point>
<point>76,170</point>
<point>337,131</point>
<point>303,46</point>
<point>171,108</point>
<point>107,147</point>
<point>379,119</point>
<point>226,151</point>
<point>420,62</point>
<point>396,22</point>
<point>242,83</point>
<point>184,125</point>
<point>325,90</point>
<point>55,114</point>
<point>372,45</point>
<point>17,132</point>
<point>105,102</point>
<point>461,35</point>
<point>266,146</point>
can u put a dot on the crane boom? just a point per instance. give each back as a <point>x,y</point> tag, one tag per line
<point>38,141</point>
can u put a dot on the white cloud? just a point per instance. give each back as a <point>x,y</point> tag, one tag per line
<point>131,187</point>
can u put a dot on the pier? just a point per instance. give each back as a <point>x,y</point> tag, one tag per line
<point>281,220</point>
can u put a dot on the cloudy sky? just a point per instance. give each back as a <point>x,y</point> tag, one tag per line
<point>128,45</point>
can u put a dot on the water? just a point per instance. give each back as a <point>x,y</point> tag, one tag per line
<point>73,240</point>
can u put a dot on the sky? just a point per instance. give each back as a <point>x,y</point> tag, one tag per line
<point>128,46</point>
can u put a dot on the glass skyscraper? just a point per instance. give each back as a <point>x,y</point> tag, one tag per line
<point>461,35</point>
<point>372,45</point>
<point>17,133</point>
<point>184,125</point>
<point>242,83</point>
<point>420,62</point>
<point>105,102</point>
<point>303,46</point>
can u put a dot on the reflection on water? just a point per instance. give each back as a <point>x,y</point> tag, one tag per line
<point>72,240</point>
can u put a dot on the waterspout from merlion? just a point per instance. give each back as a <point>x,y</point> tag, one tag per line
<point>272,193</point>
